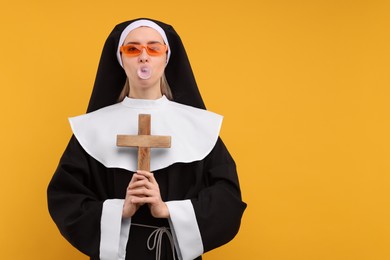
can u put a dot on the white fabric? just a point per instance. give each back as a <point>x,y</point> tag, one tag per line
<point>193,132</point>
<point>185,230</point>
<point>114,231</point>
<point>135,25</point>
<point>124,236</point>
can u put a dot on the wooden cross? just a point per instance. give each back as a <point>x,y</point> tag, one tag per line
<point>144,141</point>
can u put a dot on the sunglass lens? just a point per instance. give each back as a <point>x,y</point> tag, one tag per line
<point>156,48</point>
<point>132,49</point>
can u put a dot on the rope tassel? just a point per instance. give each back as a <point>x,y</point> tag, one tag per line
<point>154,241</point>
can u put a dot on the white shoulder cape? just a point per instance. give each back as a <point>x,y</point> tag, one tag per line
<point>193,132</point>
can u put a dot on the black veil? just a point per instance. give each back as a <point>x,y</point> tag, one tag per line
<point>111,77</point>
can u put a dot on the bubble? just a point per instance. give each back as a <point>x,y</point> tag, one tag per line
<point>144,72</point>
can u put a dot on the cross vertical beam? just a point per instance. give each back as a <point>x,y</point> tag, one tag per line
<point>144,152</point>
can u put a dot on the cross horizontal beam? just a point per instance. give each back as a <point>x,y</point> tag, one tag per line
<point>154,141</point>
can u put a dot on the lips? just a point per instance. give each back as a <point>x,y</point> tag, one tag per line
<point>144,72</point>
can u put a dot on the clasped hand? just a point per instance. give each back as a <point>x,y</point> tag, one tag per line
<point>143,189</point>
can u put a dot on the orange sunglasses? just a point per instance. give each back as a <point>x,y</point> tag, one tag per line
<point>153,49</point>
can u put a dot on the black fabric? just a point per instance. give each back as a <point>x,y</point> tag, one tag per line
<point>111,77</point>
<point>81,184</point>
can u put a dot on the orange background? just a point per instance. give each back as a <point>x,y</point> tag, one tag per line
<point>303,86</point>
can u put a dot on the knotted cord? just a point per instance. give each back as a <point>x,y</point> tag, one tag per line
<point>156,238</point>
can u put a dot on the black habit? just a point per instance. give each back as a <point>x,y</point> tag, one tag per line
<point>81,184</point>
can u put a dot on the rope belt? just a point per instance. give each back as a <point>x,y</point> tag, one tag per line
<point>156,238</point>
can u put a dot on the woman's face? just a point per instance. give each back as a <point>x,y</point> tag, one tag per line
<point>144,71</point>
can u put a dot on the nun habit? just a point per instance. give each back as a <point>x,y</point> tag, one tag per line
<point>197,176</point>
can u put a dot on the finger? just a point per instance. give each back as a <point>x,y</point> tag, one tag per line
<point>143,200</point>
<point>144,173</point>
<point>136,177</point>
<point>148,175</point>
<point>146,183</point>
<point>140,192</point>
<point>144,191</point>
<point>140,184</point>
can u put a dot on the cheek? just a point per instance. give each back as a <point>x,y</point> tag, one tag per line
<point>161,65</point>
<point>128,66</point>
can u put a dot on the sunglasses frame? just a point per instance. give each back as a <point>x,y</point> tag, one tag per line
<point>147,47</point>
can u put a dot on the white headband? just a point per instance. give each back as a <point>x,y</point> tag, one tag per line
<point>135,25</point>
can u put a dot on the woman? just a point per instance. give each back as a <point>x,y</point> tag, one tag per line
<point>101,202</point>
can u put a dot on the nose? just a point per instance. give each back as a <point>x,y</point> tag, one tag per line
<point>143,57</point>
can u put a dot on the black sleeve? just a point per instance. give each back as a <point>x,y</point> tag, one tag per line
<point>219,206</point>
<point>75,199</point>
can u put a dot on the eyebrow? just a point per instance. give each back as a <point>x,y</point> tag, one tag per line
<point>140,43</point>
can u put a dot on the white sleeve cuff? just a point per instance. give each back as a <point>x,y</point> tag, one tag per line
<point>185,230</point>
<point>114,231</point>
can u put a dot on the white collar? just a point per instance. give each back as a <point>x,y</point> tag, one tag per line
<point>193,132</point>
